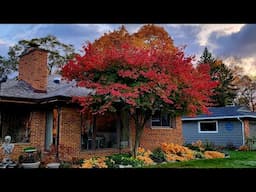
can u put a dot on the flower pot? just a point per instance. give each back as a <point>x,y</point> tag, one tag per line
<point>30,165</point>
<point>125,166</point>
<point>53,165</point>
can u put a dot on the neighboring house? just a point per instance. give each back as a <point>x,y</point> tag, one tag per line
<point>37,110</point>
<point>223,126</point>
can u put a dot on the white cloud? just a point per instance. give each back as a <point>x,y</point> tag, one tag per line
<point>179,25</point>
<point>221,30</point>
<point>100,28</point>
<point>103,28</point>
<point>6,43</point>
<point>247,63</point>
<point>2,42</point>
<point>32,32</point>
<point>133,28</point>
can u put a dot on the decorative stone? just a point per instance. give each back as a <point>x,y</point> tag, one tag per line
<point>30,165</point>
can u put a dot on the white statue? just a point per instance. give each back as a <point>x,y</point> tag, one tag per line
<point>7,147</point>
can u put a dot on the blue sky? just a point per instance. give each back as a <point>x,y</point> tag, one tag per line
<point>234,43</point>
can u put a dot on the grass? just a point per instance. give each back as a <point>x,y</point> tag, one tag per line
<point>237,159</point>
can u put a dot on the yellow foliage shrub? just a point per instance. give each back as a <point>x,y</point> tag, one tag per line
<point>175,152</point>
<point>143,152</point>
<point>146,160</point>
<point>213,154</point>
<point>244,148</point>
<point>199,144</point>
<point>94,162</point>
<point>144,155</point>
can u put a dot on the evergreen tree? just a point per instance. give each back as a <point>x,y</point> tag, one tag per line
<point>225,92</point>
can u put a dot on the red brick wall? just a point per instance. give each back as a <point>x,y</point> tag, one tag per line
<point>70,133</point>
<point>33,69</point>
<point>36,138</point>
<point>38,125</point>
<point>152,138</point>
<point>246,128</point>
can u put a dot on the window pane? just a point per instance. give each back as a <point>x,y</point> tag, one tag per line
<point>16,124</point>
<point>165,120</point>
<point>209,126</point>
<point>104,135</point>
<point>160,119</point>
<point>156,119</point>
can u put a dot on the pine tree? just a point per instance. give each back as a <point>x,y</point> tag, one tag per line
<point>225,92</point>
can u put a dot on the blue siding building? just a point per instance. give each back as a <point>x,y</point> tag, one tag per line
<point>222,126</point>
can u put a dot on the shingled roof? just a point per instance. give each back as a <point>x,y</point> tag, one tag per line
<point>228,112</point>
<point>21,90</point>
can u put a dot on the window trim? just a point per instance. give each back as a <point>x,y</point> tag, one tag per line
<point>199,127</point>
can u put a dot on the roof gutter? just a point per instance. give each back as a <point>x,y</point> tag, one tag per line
<point>220,117</point>
<point>242,123</point>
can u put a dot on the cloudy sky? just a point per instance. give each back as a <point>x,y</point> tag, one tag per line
<point>234,43</point>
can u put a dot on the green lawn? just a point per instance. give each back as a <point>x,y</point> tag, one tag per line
<point>237,159</point>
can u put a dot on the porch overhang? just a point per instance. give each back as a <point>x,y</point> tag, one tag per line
<point>24,100</point>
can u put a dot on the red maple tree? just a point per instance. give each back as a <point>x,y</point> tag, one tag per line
<point>128,77</point>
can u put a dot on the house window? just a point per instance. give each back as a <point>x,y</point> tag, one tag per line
<point>208,127</point>
<point>162,120</point>
<point>15,123</point>
<point>99,132</point>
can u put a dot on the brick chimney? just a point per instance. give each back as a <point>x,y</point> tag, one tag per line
<point>33,68</point>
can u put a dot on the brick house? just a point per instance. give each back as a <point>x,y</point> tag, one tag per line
<point>36,110</point>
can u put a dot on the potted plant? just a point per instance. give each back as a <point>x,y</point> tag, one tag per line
<point>30,158</point>
<point>50,159</point>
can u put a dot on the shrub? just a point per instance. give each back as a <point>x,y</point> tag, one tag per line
<point>209,146</point>
<point>244,148</point>
<point>158,155</point>
<point>199,155</point>
<point>64,164</point>
<point>213,154</point>
<point>230,146</point>
<point>192,147</point>
<point>95,162</point>
<point>115,160</point>
<point>144,155</point>
<point>176,152</point>
<point>198,146</point>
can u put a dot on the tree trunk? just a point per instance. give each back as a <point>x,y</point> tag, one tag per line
<point>138,133</point>
<point>125,131</point>
<point>140,119</point>
<point>94,133</point>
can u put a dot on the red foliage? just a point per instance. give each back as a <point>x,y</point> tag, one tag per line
<point>140,72</point>
<point>140,78</point>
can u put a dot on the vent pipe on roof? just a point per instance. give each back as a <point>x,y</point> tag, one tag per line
<point>56,80</point>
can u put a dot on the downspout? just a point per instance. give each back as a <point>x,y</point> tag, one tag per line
<point>58,133</point>
<point>242,123</point>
